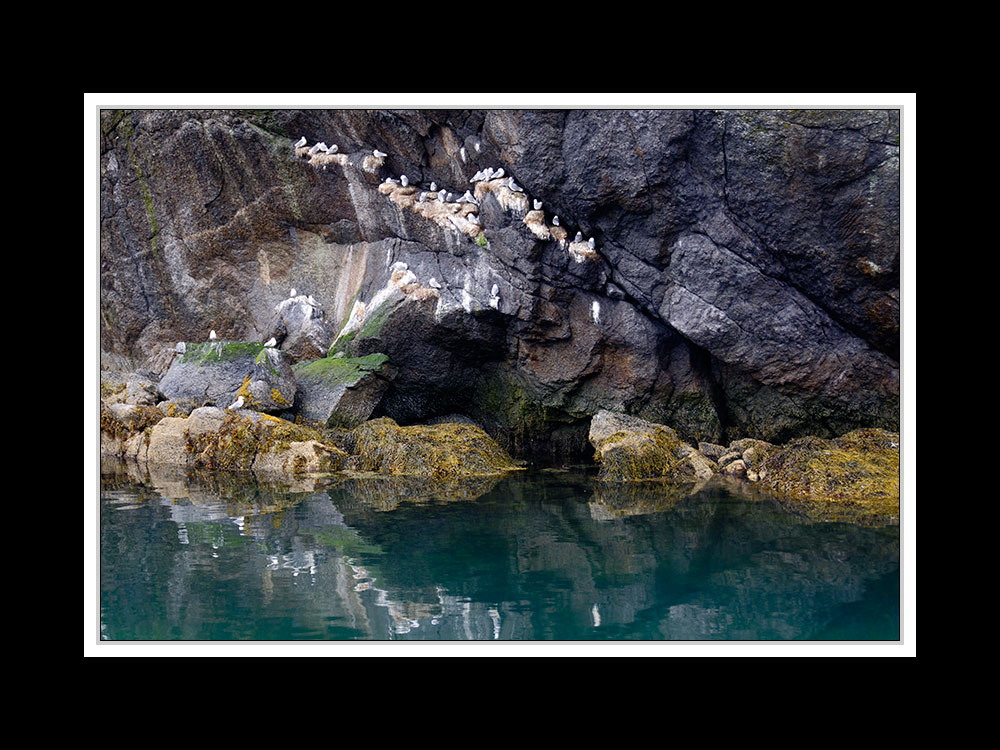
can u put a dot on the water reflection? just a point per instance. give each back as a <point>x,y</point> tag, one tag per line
<point>525,557</point>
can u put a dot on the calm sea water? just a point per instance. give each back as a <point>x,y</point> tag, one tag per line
<point>533,556</point>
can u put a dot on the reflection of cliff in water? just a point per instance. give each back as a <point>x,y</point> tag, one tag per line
<point>529,558</point>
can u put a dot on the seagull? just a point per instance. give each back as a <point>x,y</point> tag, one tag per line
<point>301,142</point>
<point>212,336</point>
<point>461,152</point>
<point>434,187</point>
<point>322,146</point>
<point>495,290</point>
<point>315,148</point>
<point>443,196</point>
<point>591,243</point>
<point>433,282</point>
<point>237,404</point>
<point>472,219</point>
<point>538,205</point>
<point>292,292</point>
<point>555,221</point>
<point>422,198</point>
<point>477,176</point>
<point>476,146</point>
<point>181,347</point>
<point>468,198</point>
<point>271,342</point>
<point>332,149</point>
<point>312,301</point>
<point>514,186</point>
<point>378,154</point>
<point>579,237</point>
<point>498,174</point>
<point>392,180</point>
<point>488,173</point>
<point>404,180</point>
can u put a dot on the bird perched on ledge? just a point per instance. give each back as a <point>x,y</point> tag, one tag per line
<point>301,142</point>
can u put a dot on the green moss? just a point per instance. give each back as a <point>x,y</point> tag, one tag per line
<point>339,370</point>
<point>220,351</point>
<point>481,240</point>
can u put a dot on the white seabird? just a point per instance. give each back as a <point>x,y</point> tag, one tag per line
<point>434,187</point>
<point>591,243</point>
<point>433,282</point>
<point>315,148</point>
<point>488,173</point>
<point>498,174</point>
<point>472,219</point>
<point>292,292</point>
<point>181,347</point>
<point>495,290</point>
<point>379,154</point>
<point>538,205</point>
<point>514,186</point>
<point>332,149</point>
<point>579,237</point>
<point>477,176</point>
<point>461,152</point>
<point>476,146</point>
<point>301,142</point>
<point>237,404</point>
<point>422,198</point>
<point>212,336</point>
<point>271,342</point>
<point>404,180</point>
<point>555,221</point>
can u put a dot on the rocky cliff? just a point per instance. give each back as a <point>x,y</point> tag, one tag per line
<point>728,273</point>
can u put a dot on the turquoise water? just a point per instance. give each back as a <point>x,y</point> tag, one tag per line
<point>539,556</point>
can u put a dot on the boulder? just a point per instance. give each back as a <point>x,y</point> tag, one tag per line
<point>341,391</point>
<point>439,451</point>
<point>630,449</point>
<point>218,372</point>
<point>300,328</point>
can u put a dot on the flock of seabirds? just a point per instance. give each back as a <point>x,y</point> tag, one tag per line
<point>443,196</point>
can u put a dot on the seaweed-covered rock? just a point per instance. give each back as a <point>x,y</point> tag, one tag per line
<point>446,450</point>
<point>858,471</point>
<point>212,438</point>
<point>218,372</point>
<point>629,449</point>
<point>341,391</point>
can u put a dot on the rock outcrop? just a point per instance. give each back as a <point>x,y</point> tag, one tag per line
<point>731,273</point>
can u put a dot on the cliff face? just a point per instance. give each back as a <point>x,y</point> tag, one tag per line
<point>743,280</point>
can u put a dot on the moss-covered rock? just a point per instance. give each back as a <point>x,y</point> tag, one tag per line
<point>631,449</point>
<point>218,372</point>
<point>341,391</point>
<point>445,450</point>
<point>857,473</point>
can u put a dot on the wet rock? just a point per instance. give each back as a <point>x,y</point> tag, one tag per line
<point>446,450</point>
<point>857,472</point>
<point>629,449</point>
<point>245,441</point>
